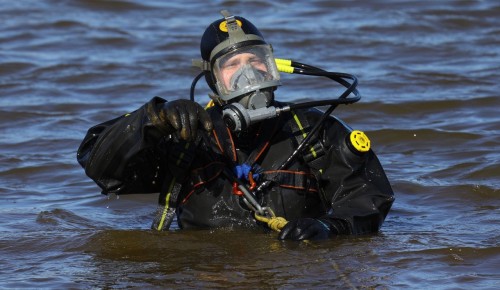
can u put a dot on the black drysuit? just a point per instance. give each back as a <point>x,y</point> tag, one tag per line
<point>135,154</point>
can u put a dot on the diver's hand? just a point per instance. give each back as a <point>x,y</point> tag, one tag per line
<point>184,117</point>
<point>305,229</point>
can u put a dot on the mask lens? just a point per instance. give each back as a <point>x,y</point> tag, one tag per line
<point>245,70</point>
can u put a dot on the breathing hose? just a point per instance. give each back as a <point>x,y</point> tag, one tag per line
<point>265,214</point>
<point>300,68</point>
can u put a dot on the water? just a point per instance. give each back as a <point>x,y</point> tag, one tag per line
<point>428,73</point>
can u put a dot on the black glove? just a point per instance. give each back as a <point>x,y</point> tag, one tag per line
<point>305,229</point>
<point>183,118</point>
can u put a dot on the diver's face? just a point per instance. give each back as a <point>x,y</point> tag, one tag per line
<point>234,63</point>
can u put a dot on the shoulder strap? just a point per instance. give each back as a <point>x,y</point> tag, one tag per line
<point>314,155</point>
<point>222,135</point>
<point>266,134</point>
<point>300,127</point>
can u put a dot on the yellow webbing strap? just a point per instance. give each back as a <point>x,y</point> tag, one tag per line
<point>304,134</point>
<point>165,209</point>
<point>174,188</point>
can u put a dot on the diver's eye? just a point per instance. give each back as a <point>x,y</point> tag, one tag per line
<point>256,61</point>
<point>230,64</point>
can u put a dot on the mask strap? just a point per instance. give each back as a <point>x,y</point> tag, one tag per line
<point>236,34</point>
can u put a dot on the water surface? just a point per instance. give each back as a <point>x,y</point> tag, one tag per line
<point>428,73</point>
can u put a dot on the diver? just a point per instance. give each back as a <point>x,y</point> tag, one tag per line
<point>246,160</point>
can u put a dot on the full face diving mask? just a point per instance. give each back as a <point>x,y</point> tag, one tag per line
<point>241,70</point>
<point>248,74</point>
<point>245,80</point>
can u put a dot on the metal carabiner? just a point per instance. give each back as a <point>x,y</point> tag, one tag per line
<point>251,201</point>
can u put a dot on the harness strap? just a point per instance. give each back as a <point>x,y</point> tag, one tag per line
<point>181,155</point>
<point>300,128</point>
<point>264,140</point>
<point>222,135</point>
<point>224,142</point>
<point>204,174</point>
<point>298,180</point>
<point>313,157</point>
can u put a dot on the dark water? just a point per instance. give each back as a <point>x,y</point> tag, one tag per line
<point>429,72</point>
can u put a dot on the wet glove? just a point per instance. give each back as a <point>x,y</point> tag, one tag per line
<point>305,229</point>
<point>312,229</point>
<point>183,118</point>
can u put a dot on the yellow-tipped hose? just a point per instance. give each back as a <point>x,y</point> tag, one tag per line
<point>285,69</point>
<point>282,61</point>
<point>284,65</point>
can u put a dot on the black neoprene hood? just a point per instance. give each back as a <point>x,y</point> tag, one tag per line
<point>213,35</point>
